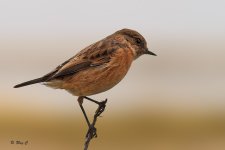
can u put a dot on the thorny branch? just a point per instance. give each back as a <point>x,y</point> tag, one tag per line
<point>92,131</point>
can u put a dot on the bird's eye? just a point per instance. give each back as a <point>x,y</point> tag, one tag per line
<point>138,41</point>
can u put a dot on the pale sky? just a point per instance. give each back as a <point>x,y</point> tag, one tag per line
<point>88,16</point>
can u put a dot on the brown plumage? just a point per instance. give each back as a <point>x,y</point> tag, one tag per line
<point>97,67</point>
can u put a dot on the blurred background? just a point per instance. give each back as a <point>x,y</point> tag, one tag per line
<point>173,101</point>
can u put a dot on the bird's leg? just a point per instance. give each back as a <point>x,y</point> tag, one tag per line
<point>101,105</point>
<point>92,129</point>
<point>100,109</point>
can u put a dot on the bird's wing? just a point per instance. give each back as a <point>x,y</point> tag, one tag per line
<point>90,57</point>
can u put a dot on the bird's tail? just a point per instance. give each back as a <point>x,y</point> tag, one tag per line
<point>38,80</point>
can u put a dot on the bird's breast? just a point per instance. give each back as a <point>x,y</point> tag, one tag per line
<point>101,78</point>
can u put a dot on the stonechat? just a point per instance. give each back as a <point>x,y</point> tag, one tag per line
<point>96,68</point>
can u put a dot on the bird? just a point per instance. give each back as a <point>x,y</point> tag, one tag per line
<point>96,68</point>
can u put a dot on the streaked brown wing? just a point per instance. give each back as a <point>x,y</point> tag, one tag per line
<point>74,66</point>
<point>94,55</point>
<point>71,70</point>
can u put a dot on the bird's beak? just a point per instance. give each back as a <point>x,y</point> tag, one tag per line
<point>149,52</point>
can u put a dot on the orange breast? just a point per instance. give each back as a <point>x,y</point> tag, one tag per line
<point>99,79</point>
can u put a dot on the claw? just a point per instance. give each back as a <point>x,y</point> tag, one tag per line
<point>101,108</point>
<point>92,132</point>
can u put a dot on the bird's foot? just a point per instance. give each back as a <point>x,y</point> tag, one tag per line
<point>101,108</point>
<point>92,132</point>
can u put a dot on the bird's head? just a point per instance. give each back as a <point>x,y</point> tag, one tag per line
<point>137,41</point>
